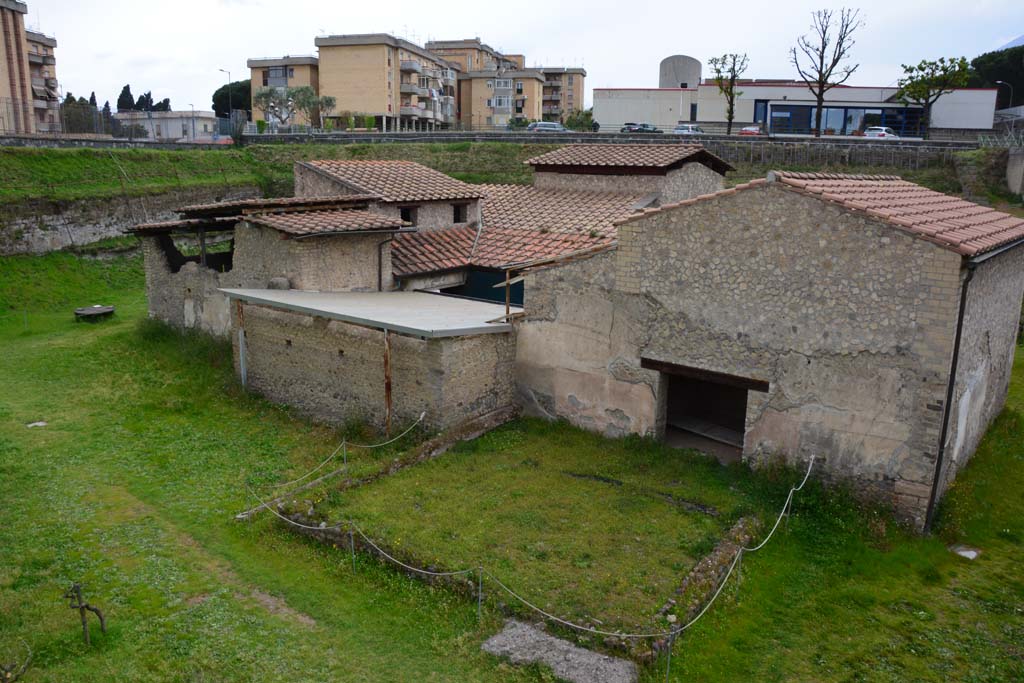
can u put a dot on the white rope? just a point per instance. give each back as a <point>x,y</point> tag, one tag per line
<point>586,629</point>
<point>345,443</point>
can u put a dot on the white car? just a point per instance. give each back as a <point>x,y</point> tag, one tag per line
<point>881,132</point>
<point>688,129</point>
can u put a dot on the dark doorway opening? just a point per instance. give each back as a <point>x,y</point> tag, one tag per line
<point>714,411</point>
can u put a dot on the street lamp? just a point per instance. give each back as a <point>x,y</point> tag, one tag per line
<point>1010,86</point>
<point>193,123</point>
<point>231,114</point>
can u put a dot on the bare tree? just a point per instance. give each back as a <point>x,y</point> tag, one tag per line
<point>727,69</point>
<point>821,57</point>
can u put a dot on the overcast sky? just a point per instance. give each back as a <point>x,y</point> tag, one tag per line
<point>175,49</point>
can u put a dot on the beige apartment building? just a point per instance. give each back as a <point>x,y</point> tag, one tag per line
<point>42,67</point>
<point>286,72</point>
<point>407,87</point>
<point>402,85</point>
<point>563,91</point>
<point>29,97</point>
<point>494,98</point>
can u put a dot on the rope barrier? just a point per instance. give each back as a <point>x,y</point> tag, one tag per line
<point>672,633</point>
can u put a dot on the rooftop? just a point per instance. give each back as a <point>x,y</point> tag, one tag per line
<point>331,222</point>
<point>243,206</point>
<point>414,313</point>
<point>432,251</point>
<point>41,38</point>
<point>379,39</point>
<point>395,181</point>
<point>950,222</point>
<point>611,156</point>
<point>287,60</point>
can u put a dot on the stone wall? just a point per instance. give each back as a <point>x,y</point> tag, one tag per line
<point>1015,171</point>
<point>36,226</point>
<point>850,321</point>
<point>691,180</point>
<point>189,298</point>
<point>334,371</point>
<point>987,346</point>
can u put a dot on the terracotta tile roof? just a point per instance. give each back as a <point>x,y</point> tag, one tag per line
<point>661,156</point>
<point>951,222</point>
<point>237,206</point>
<point>960,225</point>
<point>395,181</point>
<point>432,251</point>
<point>521,224</point>
<point>309,223</point>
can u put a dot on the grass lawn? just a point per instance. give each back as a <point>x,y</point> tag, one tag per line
<point>131,486</point>
<point>586,527</point>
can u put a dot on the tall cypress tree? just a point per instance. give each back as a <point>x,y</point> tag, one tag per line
<point>125,101</point>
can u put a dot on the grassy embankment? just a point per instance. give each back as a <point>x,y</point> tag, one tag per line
<point>67,174</point>
<point>150,445</point>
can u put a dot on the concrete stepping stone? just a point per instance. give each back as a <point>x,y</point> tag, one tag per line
<point>525,644</point>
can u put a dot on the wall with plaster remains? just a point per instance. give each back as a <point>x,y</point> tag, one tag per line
<point>334,371</point>
<point>189,298</point>
<point>691,180</point>
<point>987,346</point>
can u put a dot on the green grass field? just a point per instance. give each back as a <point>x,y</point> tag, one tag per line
<point>150,444</point>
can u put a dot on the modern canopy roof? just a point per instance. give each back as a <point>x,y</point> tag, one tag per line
<point>394,180</point>
<point>950,222</point>
<point>626,159</point>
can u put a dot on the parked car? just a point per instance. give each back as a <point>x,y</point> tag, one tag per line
<point>545,127</point>
<point>881,132</point>
<point>688,129</point>
<point>639,128</point>
<point>751,130</point>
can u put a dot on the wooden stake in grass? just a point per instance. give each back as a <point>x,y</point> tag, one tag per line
<point>74,594</point>
<point>13,672</point>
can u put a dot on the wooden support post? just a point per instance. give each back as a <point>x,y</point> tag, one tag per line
<point>387,382</point>
<point>202,247</point>
<point>508,294</point>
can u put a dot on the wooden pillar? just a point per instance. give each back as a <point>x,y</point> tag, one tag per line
<point>508,294</point>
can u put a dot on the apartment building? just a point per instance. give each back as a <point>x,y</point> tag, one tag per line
<point>402,85</point>
<point>563,91</point>
<point>42,67</point>
<point>471,54</point>
<point>287,72</point>
<point>29,97</point>
<point>495,98</point>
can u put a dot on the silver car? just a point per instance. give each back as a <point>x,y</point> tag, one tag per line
<point>688,129</point>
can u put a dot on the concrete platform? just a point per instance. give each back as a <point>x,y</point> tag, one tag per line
<point>415,313</point>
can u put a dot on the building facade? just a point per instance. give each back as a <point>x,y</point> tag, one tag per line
<point>786,107</point>
<point>496,98</point>
<point>29,92</point>
<point>286,72</point>
<point>172,126</point>
<point>563,91</point>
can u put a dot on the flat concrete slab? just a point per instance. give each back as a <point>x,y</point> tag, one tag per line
<point>526,644</point>
<point>416,313</point>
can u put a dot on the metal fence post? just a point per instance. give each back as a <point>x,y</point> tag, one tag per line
<point>352,546</point>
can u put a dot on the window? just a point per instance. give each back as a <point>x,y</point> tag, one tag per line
<point>184,130</point>
<point>570,79</point>
<point>158,130</point>
<point>408,214</point>
<point>504,101</point>
<point>760,111</point>
<point>490,84</point>
<point>519,87</point>
<point>291,72</point>
<point>505,83</point>
<point>460,213</point>
<point>693,111</point>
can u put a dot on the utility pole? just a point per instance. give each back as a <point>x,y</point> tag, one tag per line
<point>193,123</point>
<point>231,109</point>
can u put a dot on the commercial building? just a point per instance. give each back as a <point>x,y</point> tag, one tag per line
<point>286,72</point>
<point>172,126</point>
<point>29,92</point>
<point>784,106</point>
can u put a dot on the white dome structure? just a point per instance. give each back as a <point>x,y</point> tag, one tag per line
<point>679,71</point>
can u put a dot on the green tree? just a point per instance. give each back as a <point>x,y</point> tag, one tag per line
<point>314,107</point>
<point>163,105</point>
<point>992,69</point>
<point>92,98</point>
<point>727,69</point>
<point>240,95</point>
<point>145,102</point>
<point>582,120</point>
<point>924,83</point>
<point>821,58</point>
<point>275,104</point>
<point>125,101</point>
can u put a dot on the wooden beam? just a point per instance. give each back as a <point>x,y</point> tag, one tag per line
<point>387,382</point>
<point>704,375</point>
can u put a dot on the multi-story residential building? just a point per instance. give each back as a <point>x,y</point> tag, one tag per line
<point>563,91</point>
<point>473,55</point>
<point>42,66</point>
<point>402,85</point>
<point>287,72</point>
<point>495,98</point>
<point>29,99</point>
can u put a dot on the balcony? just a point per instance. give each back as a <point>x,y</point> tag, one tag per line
<point>553,84</point>
<point>552,110</point>
<point>410,111</point>
<point>411,66</point>
<point>412,89</point>
<point>34,58</point>
<point>552,96</point>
